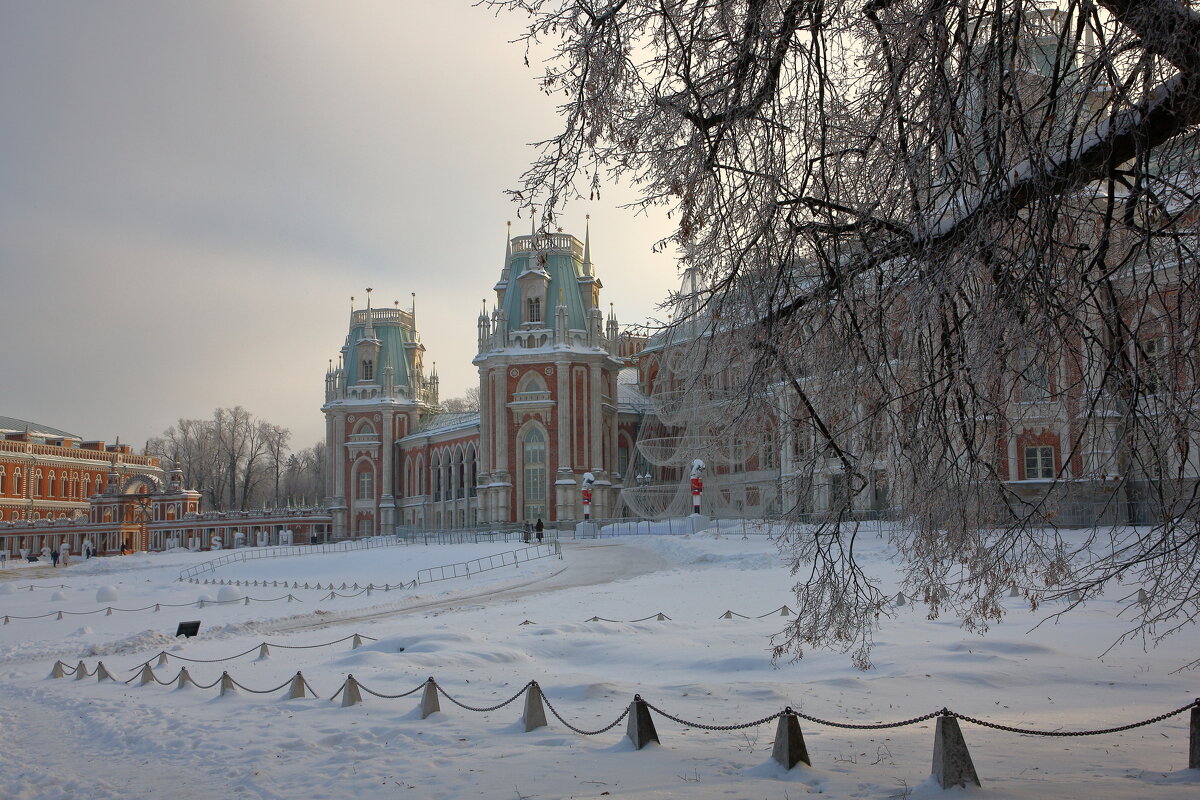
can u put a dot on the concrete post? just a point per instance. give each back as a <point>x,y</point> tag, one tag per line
<point>146,676</point>
<point>162,658</point>
<point>789,749</point>
<point>535,715</point>
<point>57,671</point>
<point>356,643</point>
<point>264,652</point>
<point>350,693</point>
<point>102,673</point>
<point>81,671</point>
<point>952,765</point>
<point>227,686</point>
<point>185,678</point>
<point>429,699</point>
<point>1194,748</point>
<point>640,728</point>
<point>296,689</point>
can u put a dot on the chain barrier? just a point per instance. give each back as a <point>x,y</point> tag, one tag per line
<point>109,609</point>
<point>581,731</point>
<point>702,726</point>
<point>251,650</point>
<point>944,712</point>
<point>385,696</point>
<point>283,685</point>
<point>868,726</point>
<point>443,693</point>
<point>1097,732</point>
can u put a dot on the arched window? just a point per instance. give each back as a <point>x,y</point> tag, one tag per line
<point>473,474</point>
<point>37,483</point>
<point>16,489</point>
<point>533,468</point>
<point>3,480</point>
<point>534,305</point>
<point>368,369</point>
<point>50,484</point>
<point>366,484</point>
<point>460,477</point>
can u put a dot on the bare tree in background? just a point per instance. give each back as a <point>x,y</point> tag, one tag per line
<point>468,402</point>
<point>948,229</point>
<point>238,461</point>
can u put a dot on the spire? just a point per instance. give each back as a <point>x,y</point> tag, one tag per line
<point>351,304</point>
<point>414,310</point>
<point>369,332</point>
<point>587,245</point>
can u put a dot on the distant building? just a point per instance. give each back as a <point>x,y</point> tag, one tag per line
<point>46,473</point>
<point>554,406</point>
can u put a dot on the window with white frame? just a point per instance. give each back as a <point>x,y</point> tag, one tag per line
<point>1152,358</point>
<point>534,306</point>
<point>368,369</point>
<point>533,463</point>
<point>1039,462</point>
<point>366,484</point>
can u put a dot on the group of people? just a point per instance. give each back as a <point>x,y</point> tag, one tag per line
<point>539,528</point>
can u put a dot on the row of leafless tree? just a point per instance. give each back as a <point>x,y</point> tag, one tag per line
<point>238,461</point>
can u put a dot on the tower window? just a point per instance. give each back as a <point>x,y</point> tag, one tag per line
<point>535,309</point>
<point>368,370</point>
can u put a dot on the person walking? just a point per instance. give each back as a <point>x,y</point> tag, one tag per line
<point>539,528</point>
<point>528,531</point>
<point>54,557</point>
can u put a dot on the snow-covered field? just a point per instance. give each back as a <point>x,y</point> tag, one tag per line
<point>98,740</point>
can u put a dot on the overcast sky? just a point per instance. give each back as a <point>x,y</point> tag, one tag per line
<point>190,192</point>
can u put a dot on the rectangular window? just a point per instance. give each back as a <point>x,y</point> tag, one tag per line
<point>366,485</point>
<point>1036,374</point>
<point>1151,364</point>
<point>1039,463</point>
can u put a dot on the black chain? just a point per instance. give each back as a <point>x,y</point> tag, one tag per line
<point>703,726</point>
<point>866,727</point>
<point>386,696</point>
<point>580,731</point>
<point>442,692</point>
<point>286,683</point>
<point>1010,729</point>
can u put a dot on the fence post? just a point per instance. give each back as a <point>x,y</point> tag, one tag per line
<point>296,689</point>
<point>185,678</point>
<point>57,670</point>
<point>789,749</point>
<point>81,671</point>
<point>350,693</point>
<point>952,765</point>
<point>535,715</point>
<point>640,728</point>
<point>227,686</point>
<point>1194,749</point>
<point>429,699</point>
<point>147,674</point>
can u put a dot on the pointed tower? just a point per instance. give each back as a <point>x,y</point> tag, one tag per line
<point>376,395</point>
<point>547,384</point>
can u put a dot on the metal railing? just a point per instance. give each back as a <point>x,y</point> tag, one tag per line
<point>252,553</point>
<point>512,558</point>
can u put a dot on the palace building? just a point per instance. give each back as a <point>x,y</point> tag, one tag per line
<point>557,393</point>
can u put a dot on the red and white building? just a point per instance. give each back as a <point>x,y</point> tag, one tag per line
<point>554,405</point>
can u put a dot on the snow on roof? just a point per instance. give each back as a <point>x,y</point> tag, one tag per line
<point>630,397</point>
<point>14,425</point>
<point>444,422</point>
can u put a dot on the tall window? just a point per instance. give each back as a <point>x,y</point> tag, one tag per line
<point>1039,462</point>
<point>533,464</point>
<point>2,480</point>
<point>1036,372</point>
<point>366,484</point>
<point>535,309</point>
<point>1152,362</point>
<point>368,369</point>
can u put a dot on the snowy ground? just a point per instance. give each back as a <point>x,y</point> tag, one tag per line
<point>70,739</point>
